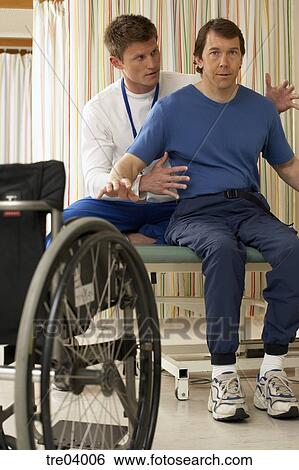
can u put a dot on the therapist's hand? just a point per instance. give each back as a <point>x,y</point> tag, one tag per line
<point>282,96</point>
<point>161,180</point>
<point>119,188</point>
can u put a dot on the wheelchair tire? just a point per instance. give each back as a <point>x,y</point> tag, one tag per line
<point>89,317</point>
<point>10,442</point>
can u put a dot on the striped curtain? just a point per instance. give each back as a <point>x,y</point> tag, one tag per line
<point>15,108</point>
<point>50,78</point>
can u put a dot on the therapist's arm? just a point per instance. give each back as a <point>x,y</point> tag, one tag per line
<point>98,150</point>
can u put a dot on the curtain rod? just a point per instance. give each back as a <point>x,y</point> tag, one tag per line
<point>6,50</point>
<point>15,43</point>
<point>17,4</point>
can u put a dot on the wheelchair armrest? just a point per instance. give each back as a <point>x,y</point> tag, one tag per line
<point>14,209</point>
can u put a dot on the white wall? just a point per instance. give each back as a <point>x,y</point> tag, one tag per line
<point>16,23</point>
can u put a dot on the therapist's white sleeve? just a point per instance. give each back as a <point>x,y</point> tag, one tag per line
<point>98,152</point>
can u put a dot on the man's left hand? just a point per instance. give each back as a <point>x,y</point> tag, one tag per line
<point>282,95</point>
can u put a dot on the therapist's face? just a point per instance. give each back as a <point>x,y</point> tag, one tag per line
<point>140,66</point>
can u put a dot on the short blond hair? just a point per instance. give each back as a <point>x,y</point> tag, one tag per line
<point>126,29</point>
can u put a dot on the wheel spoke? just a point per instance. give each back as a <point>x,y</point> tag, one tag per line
<point>97,303</point>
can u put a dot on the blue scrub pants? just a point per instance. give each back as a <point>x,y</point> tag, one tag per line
<point>150,219</point>
<point>218,229</point>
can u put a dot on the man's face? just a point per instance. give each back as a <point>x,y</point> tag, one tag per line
<point>140,66</point>
<point>221,61</point>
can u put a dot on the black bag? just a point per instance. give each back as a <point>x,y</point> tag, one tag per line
<point>22,234</point>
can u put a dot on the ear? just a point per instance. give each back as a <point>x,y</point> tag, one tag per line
<point>117,63</point>
<point>198,62</point>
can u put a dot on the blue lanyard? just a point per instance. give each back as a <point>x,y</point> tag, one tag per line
<point>126,101</point>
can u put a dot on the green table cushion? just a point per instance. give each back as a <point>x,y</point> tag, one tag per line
<point>181,254</point>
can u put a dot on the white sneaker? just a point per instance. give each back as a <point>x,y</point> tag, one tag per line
<point>227,400</point>
<point>274,395</point>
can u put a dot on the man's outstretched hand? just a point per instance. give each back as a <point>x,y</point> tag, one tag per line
<point>160,180</point>
<point>282,95</point>
<point>119,188</point>
<point>163,180</point>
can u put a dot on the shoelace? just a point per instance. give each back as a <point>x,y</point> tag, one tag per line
<point>280,383</point>
<point>230,387</point>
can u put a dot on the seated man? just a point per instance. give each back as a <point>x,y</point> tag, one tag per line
<point>111,120</point>
<point>217,129</point>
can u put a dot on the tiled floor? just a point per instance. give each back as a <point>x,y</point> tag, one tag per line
<point>188,424</point>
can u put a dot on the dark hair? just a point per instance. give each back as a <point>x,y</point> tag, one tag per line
<point>221,26</point>
<point>126,29</point>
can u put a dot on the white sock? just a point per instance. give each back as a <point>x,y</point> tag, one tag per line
<point>271,362</point>
<point>217,370</point>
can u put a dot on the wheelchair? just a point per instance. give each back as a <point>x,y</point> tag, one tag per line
<point>82,318</point>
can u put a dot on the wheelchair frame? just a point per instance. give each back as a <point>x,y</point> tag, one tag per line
<point>106,370</point>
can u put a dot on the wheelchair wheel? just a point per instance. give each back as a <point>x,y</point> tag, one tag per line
<point>90,322</point>
<point>9,442</point>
